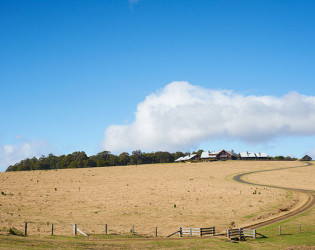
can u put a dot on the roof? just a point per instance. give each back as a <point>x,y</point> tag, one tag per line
<point>252,155</point>
<point>207,154</point>
<point>261,155</point>
<point>306,158</point>
<point>186,158</point>
<point>229,152</point>
<point>214,152</point>
<point>180,158</point>
<point>204,154</point>
<point>189,157</point>
<point>247,154</point>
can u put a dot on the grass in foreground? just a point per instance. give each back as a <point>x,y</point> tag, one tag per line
<point>302,240</point>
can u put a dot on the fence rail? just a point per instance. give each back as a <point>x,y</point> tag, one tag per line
<point>249,232</point>
<point>240,233</point>
<point>41,228</point>
<point>196,231</point>
<point>207,231</point>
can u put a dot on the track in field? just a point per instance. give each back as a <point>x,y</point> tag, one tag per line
<point>310,193</point>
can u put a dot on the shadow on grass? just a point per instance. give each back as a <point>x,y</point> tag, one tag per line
<point>261,236</point>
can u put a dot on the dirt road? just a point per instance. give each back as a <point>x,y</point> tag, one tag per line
<point>310,193</point>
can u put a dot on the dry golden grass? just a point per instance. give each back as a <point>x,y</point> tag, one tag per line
<point>144,195</point>
<point>300,178</point>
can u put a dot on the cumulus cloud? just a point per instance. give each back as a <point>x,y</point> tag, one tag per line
<point>182,115</point>
<point>11,154</point>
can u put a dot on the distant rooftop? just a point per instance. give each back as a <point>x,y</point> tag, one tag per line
<point>253,155</point>
<point>186,158</point>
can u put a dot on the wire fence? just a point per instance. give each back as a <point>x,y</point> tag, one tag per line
<point>62,229</point>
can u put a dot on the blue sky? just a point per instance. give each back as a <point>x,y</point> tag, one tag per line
<point>71,70</point>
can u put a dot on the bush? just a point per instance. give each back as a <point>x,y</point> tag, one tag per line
<point>14,231</point>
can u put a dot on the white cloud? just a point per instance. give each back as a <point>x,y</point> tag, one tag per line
<point>11,154</point>
<point>182,115</point>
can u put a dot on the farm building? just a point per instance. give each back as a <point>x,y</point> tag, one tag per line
<point>218,155</point>
<point>187,158</point>
<point>226,155</point>
<point>247,156</point>
<point>223,155</point>
<point>253,156</point>
<point>209,156</point>
<point>306,158</point>
<point>261,156</point>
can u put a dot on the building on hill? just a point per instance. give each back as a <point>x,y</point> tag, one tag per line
<point>261,156</point>
<point>247,156</point>
<point>224,155</point>
<point>209,156</point>
<point>306,158</point>
<point>218,155</point>
<point>253,156</point>
<point>187,158</point>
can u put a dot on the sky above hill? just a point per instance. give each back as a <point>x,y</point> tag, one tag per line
<point>123,75</point>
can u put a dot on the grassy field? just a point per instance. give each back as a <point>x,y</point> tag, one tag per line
<point>301,178</point>
<point>164,195</point>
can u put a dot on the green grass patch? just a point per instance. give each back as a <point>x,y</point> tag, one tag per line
<point>292,240</point>
<point>127,242</point>
<point>250,216</point>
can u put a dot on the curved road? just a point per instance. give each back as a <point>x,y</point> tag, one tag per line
<point>306,206</point>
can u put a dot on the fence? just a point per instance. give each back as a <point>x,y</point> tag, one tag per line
<point>240,233</point>
<point>293,229</point>
<point>196,231</point>
<point>34,228</point>
<point>249,232</point>
<point>207,231</point>
<point>51,229</point>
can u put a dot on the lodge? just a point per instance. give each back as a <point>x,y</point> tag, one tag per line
<point>252,156</point>
<point>222,155</point>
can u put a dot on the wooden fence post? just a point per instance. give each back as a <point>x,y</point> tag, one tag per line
<point>156,232</point>
<point>254,233</point>
<point>105,228</point>
<point>52,229</point>
<point>279,230</point>
<point>25,229</point>
<point>75,231</point>
<point>213,231</point>
<point>180,232</point>
<point>228,233</point>
<point>240,233</point>
<point>133,229</point>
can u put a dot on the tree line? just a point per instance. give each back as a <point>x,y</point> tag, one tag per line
<point>103,159</point>
<point>79,159</point>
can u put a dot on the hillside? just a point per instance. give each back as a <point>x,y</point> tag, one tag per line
<point>166,196</point>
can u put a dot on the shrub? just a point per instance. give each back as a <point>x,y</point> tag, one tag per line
<point>14,231</point>
<point>232,224</point>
